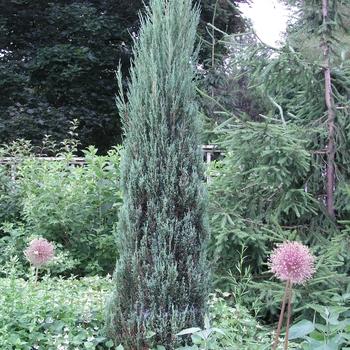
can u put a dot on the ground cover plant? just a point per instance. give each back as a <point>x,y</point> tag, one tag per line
<point>52,313</point>
<point>65,314</point>
<point>56,313</point>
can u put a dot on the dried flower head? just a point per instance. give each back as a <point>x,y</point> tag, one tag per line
<point>39,252</point>
<point>292,261</point>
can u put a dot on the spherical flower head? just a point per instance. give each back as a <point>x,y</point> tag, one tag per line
<point>39,252</point>
<point>292,261</point>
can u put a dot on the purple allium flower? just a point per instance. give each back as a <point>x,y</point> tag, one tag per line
<point>39,252</point>
<point>292,261</point>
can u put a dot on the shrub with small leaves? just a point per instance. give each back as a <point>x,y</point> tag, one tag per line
<point>74,206</point>
<point>55,314</point>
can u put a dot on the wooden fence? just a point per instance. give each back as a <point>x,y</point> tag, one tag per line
<point>210,153</point>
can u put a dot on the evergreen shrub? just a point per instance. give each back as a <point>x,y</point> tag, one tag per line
<point>161,278</point>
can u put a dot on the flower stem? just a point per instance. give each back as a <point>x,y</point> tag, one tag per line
<point>280,321</point>
<point>36,274</point>
<point>289,313</point>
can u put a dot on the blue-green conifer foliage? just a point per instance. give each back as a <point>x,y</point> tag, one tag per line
<point>161,277</point>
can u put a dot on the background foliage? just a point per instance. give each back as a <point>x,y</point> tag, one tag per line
<point>58,62</point>
<point>270,185</point>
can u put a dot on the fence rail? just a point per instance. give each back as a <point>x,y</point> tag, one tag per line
<point>210,152</point>
<point>10,160</point>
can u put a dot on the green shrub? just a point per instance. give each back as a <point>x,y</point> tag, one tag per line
<point>329,330</point>
<point>10,197</point>
<point>260,194</point>
<point>12,244</point>
<point>241,329</point>
<point>53,314</point>
<point>230,326</point>
<point>256,188</point>
<point>74,206</point>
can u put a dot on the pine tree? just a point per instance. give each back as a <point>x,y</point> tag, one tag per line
<point>161,278</point>
<point>280,178</point>
<point>324,21</point>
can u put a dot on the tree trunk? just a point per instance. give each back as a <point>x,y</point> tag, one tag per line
<point>331,115</point>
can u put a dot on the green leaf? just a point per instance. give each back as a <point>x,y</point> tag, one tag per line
<point>150,334</point>
<point>110,344</point>
<point>189,331</point>
<point>218,330</point>
<point>197,339</point>
<point>301,329</point>
<point>328,346</point>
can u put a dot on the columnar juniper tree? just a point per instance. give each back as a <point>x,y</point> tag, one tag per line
<point>161,278</point>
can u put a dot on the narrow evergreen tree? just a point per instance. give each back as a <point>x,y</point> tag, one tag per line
<point>161,278</point>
